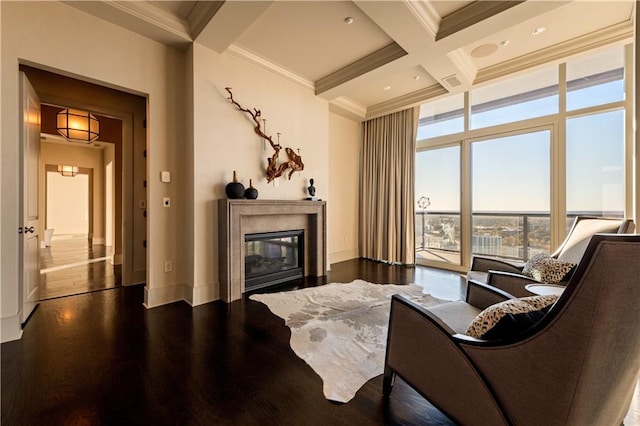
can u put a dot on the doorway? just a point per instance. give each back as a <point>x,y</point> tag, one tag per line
<point>74,259</point>
<point>79,260</point>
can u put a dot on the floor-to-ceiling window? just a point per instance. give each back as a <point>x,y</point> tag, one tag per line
<point>438,205</point>
<point>510,199</point>
<point>523,155</point>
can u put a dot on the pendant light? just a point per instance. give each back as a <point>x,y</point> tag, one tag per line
<point>78,126</point>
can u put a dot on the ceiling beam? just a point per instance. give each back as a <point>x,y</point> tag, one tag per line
<point>229,21</point>
<point>141,17</point>
<point>414,26</point>
<point>370,62</point>
<point>471,14</point>
<point>468,28</point>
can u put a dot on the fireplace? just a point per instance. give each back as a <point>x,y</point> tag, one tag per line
<point>272,258</point>
<point>239,218</point>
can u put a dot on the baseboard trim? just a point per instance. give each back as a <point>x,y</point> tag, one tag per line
<point>11,328</point>
<point>154,297</point>
<point>341,256</point>
<point>202,294</point>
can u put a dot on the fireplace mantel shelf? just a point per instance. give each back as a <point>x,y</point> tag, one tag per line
<point>236,218</point>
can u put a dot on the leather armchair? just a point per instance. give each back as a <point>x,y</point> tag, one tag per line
<point>508,276</point>
<point>578,365</point>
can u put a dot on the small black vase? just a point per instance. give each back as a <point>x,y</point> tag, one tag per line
<point>235,189</point>
<point>250,193</point>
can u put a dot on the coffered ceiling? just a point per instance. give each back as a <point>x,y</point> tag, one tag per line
<point>374,57</point>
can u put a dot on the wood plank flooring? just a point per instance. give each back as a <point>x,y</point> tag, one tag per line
<point>102,358</point>
<point>73,266</point>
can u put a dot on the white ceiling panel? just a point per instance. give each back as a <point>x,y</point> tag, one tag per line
<point>311,38</point>
<point>564,23</point>
<point>387,43</point>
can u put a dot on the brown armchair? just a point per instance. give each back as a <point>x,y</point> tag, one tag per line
<point>578,365</point>
<point>508,275</point>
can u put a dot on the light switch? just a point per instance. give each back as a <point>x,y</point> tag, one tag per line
<point>165,176</point>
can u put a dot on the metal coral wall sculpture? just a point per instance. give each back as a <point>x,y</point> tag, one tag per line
<point>275,168</point>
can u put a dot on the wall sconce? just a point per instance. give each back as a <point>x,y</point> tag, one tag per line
<point>67,170</point>
<point>77,125</point>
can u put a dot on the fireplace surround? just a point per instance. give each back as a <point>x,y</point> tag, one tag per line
<point>237,218</point>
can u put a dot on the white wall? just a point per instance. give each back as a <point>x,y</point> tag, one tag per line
<point>68,203</point>
<point>109,198</point>
<point>192,131</point>
<point>122,60</point>
<point>224,140</point>
<point>343,185</point>
<point>82,156</point>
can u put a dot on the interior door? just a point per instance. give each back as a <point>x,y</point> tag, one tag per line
<point>29,229</point>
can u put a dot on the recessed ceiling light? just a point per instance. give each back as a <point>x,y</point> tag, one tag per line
<point>348,20</point>
<point>538,31</point>
<point>387,87</point>
<point>504,43</point>
<point>416,77</point>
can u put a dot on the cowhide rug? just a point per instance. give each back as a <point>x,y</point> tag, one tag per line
<point>340,330</point>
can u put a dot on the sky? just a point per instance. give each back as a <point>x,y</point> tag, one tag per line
<point>513,173</point>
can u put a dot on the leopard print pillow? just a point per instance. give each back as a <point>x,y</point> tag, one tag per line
<point>547,269</point>
<point>510,317</point>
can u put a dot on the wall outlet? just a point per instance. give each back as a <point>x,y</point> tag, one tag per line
<point>168,266</point>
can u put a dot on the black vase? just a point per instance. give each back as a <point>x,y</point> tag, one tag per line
<point>235,189</point>
<point>250,193</point>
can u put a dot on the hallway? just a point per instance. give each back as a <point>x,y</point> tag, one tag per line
<point>70,266</point>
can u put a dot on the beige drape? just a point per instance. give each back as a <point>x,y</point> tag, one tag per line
<point>387,211</point>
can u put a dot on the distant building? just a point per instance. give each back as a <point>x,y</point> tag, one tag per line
<point>487,244</point>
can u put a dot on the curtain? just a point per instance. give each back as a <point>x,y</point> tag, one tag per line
<point>387,211</point>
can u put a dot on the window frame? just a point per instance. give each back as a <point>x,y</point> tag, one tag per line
<point>557,124</point>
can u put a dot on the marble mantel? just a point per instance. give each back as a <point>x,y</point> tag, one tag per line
<point>236,218</point>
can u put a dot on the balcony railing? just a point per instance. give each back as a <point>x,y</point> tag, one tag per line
<point>510,235</point>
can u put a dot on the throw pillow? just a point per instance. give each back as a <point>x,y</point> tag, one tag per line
<point>510,317</point>
<point>547,269</point>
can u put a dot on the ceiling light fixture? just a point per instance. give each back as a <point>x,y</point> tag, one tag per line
<point>538,31</point>
<point>416,77</point>
<point>504,43</point>
<point>79,126</point>
<point>67,170</point>
<point>348,20</point>
<point>387,87</point>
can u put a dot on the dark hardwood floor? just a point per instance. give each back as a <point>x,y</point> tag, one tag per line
<point>102,358</point>
<point>73,266</point>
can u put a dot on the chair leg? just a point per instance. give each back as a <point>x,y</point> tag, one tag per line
<point>387,381</point>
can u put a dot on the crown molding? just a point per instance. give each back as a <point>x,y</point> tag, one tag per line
<point>348,107</point>
<point>362,66</point>
<point>472,14</point>
<point>405,101</point>
<point>560,52</point>
<point>258,61</point>
<point>154,15</point>
<point>426,14</point>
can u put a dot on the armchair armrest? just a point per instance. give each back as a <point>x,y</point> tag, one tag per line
<point>482,295</point>
<point>511,283</point>
<point>485,264</point>
<point>426,354</point>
